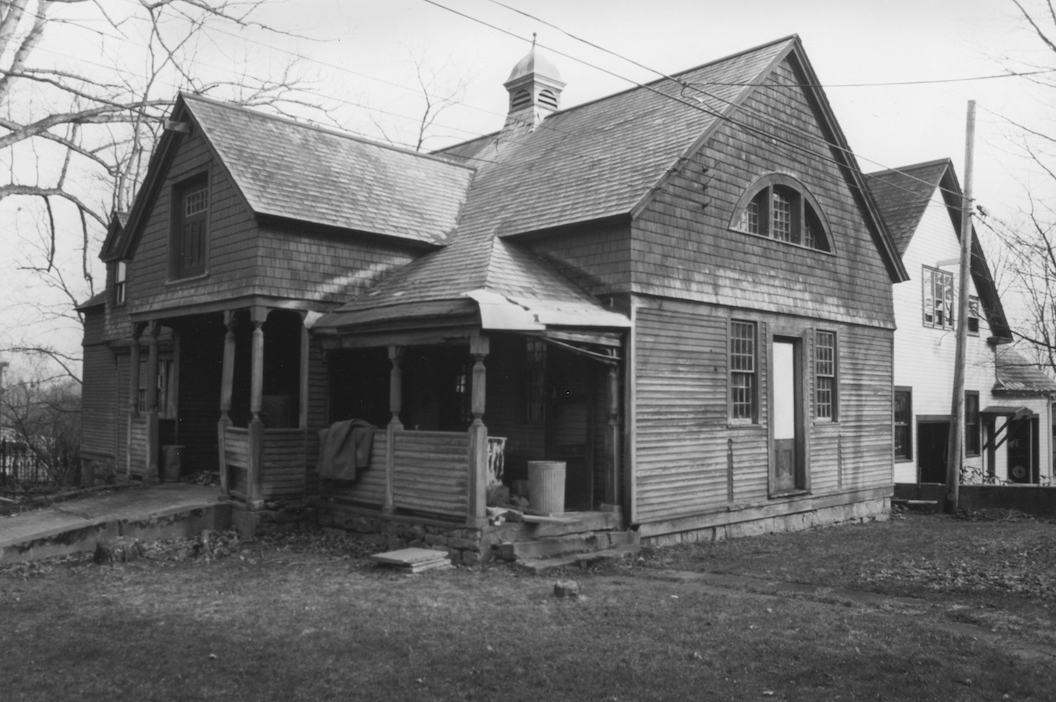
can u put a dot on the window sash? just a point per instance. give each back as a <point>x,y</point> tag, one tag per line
<point>120,274</point>
<point>825,375</point>
<point>973,314</point>
<point>938,298</point>
<point>743,385</point>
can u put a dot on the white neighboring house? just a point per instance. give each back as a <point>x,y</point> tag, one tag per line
<point>1008,412</point>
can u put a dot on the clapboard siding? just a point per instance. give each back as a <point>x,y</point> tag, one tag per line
<point>99,406</point>
<point>432,472</point>
<point>682,247</point>
<point>685,443</point>
<point>138,446</point>
<point>283,473</point>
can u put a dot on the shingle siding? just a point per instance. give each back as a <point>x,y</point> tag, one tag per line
<point>682,247</point>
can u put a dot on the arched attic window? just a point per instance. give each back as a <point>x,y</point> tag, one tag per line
<point>779,207</point>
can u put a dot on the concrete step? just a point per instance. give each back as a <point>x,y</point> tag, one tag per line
<point>552,547</point>
<point>540,565</point>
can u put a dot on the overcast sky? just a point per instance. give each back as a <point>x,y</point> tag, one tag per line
<point>849,43</point>
<point>360,56</point>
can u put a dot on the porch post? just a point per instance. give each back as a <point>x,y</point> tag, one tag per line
<point>255,472</point>
<point>226,382</point>
<point>152,474</point>
<point>612,434</point>
<point>395,406</point>
<point>133,396</point>
<point>478,435</point>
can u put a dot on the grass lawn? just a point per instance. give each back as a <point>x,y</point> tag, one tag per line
<point>307,617</point>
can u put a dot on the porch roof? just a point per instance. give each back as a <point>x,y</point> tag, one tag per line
<point>1017,375</point>
<point>1008,411</point>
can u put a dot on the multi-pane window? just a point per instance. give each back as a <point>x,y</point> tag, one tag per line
<point>781,215</point>
<point>779,208</point>
<point>825,375</point>
<point>973,314</point>
<point>120,275</point>
<point>743,367</point>
<point>971,423</point>
<point>750,217</point>
<point>938,298</point>
<point>903,424</point>
<point>190,229</point>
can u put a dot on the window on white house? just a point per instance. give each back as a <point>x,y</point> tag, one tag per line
<point>973,314</point>
<point>938,298</point>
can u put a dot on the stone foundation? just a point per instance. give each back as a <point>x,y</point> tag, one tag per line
<point>877,510</point>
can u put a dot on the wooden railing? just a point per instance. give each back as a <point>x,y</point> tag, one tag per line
<point>431,472</point>
<point>236,460</point>
<point>284,463</point>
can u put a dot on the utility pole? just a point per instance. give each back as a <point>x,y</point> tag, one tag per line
<point>955,448</point>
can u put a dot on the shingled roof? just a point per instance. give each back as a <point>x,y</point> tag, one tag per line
<point>903,194</point>
<point>599,160</point>
<point>310,174</point>
<point>1017,375</point>
<point>305,173</point>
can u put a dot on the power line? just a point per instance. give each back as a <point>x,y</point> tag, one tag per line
<point>851,165</point>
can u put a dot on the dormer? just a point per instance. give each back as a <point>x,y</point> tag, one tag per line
<point>535,88</point>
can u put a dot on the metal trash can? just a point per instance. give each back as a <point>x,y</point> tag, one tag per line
<point>546,486</point>
<point>171,463</point>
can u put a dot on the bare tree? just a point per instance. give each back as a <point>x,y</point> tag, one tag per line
<point>40,417</point>
<point>1029,260</point>
<point>84,86</point>
<point>439,91</point>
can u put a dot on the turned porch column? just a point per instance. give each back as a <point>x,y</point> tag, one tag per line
<point>478,435</point>
<point>151,475</point>
<point>133,396</point>
<point>255,462</point>
<point>227,380</point>
<point>612,433</point>
<point>395,406</point>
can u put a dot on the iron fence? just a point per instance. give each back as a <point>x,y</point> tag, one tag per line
<point>19,464</point>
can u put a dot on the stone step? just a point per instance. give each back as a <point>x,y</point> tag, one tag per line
<point>539,565</point>
<point>917,505</point>
<point>578,523</point>
<point>552,547</point>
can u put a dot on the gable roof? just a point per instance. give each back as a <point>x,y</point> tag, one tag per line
<point>1015,374</point>
<point>603,160</point>
<point>903,194</point>
<point>301,172</point>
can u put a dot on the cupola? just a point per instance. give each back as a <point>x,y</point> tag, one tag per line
<point>535,88</point>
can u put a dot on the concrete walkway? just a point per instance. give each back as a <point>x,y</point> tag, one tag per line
<point>164,511</point>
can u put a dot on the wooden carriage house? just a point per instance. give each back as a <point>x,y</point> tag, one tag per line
<point>682,292</point>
